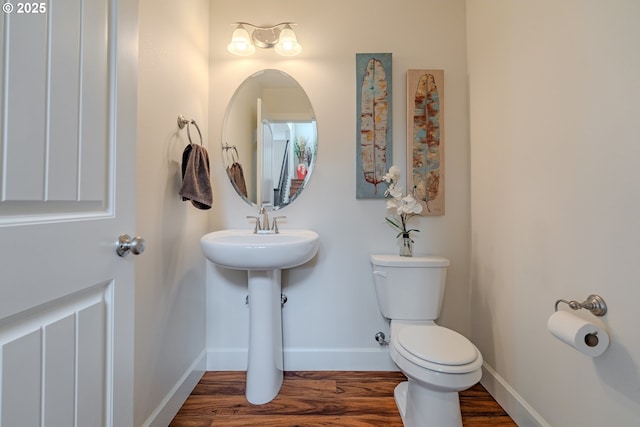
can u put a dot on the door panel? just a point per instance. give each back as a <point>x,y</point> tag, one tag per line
<point>55,354</point>
<point>67,191</point>
<point>59,371</point>
<point>57,148</point>
<point>21,376</point>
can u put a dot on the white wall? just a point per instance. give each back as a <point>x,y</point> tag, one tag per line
<point>555,148</point>
<point>170,275</point>
<point>332,313</point>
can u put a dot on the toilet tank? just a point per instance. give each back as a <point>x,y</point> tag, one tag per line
<point>409,288</point>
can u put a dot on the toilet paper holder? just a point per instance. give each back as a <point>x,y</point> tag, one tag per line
<point>594,303</point>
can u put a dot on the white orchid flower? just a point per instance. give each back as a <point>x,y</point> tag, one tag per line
<point>405,206</point>
<point>393,175</point>
<point>396,193</point>
<point>411,205</point>
<point>394,171</point>
<point>389,188</point>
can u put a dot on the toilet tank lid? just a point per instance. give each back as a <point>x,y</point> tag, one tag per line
<point>404,261</point>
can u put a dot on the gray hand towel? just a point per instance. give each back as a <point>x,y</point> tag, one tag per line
<point>237,178</point>
<point>196,183</point>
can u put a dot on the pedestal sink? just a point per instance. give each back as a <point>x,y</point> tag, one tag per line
<point>263,256</point>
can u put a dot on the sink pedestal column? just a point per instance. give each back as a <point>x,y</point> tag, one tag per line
<point>265,365</point>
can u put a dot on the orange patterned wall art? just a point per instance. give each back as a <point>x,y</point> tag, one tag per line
<point>425,138</point>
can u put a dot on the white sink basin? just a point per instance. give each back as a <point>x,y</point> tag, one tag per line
<point>244,250</point>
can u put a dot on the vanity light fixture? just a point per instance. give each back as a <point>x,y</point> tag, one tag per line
<point>280,37</point>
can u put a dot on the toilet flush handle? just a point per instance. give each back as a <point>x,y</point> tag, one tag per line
<point>380,273</point>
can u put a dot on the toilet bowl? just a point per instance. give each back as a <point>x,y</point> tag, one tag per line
<point>437,361</point>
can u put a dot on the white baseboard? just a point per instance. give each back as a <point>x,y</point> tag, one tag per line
<point>170,405</point>
<point>340,359</point>
<point>518,409</point>
<point>227,359</point>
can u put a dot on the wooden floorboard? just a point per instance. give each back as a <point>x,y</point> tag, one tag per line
<point>319,398</point>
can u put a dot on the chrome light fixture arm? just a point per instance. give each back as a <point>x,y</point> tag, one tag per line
<point>280,37</point>
<point>265,37</point>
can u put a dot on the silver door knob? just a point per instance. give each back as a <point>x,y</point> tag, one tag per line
<point>128,244</point>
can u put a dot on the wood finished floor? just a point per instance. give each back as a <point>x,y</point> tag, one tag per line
<point>311,399</point>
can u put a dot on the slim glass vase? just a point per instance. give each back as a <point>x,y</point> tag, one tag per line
<point>406,245</point>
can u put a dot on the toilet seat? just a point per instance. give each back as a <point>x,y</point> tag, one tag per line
<point>437,348</point>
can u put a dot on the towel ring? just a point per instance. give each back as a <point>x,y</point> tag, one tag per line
<point>182,121</point>
<point>230,157</point>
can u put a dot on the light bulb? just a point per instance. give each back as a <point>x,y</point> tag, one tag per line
<point>287,43</point>
<point>240,44</point>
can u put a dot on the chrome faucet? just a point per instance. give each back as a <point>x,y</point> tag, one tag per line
<point>263,227</point>
<point>265,219</point>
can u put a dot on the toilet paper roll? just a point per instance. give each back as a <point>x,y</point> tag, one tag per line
<point>580,334</point>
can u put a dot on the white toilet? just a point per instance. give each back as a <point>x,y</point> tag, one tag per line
<point>437,361</point>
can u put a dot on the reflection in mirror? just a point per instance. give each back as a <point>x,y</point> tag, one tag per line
<point>269,139</point>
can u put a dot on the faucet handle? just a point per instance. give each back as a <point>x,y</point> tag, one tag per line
<point>257,226</point>
<point>274,227</point>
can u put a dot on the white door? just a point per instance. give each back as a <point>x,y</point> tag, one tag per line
<point>67,191</point>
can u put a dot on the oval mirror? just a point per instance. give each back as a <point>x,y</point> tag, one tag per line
<point>269,139</point>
